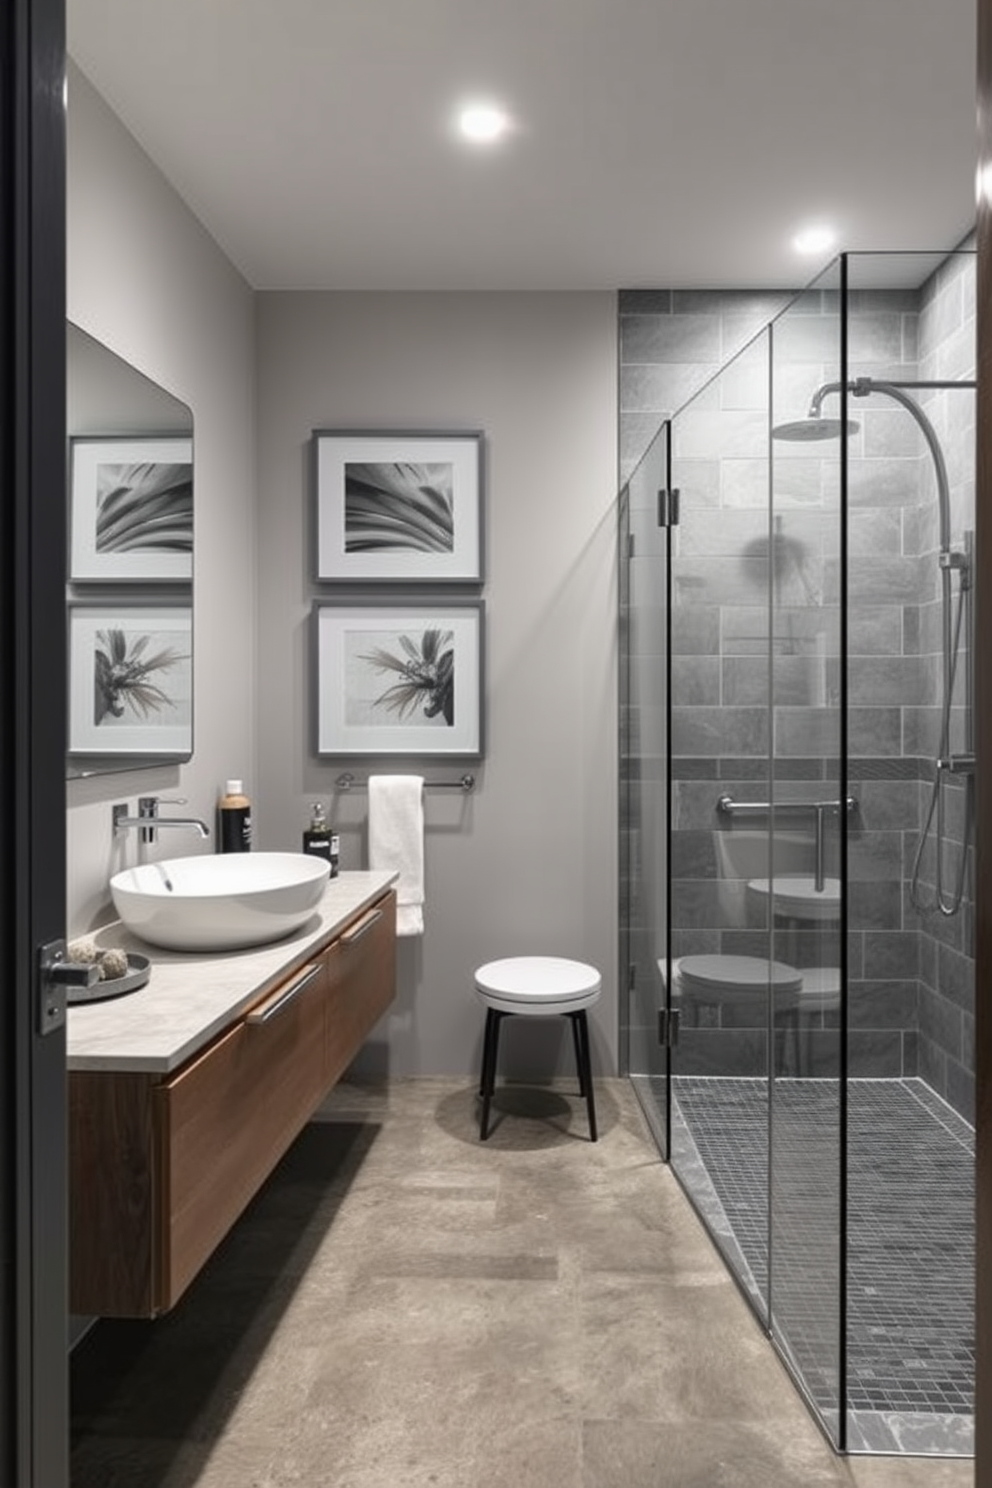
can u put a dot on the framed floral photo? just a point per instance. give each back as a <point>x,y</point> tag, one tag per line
<point>398,678</point>
<point>130,679</point>
<point>399,507</point>
<point>131,509</point>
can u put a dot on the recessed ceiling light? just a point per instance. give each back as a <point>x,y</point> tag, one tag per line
<point>482,123</point>
<point>816,239</point>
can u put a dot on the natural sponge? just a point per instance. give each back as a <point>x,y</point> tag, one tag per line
<point>84,950</point>
<point>113,963</point>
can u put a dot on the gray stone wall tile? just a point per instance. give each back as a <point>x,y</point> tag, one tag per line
<point>940,1023</point>
<point>881,483</point>
<point>806,731</point>
<point>884,580</point>
<point>955,977</point>
<point>875,1055</point>
<point>875,630</point>
<point>696,904</point>
<point>703,533</point>
<point>656,339</point>
<point>660,390</point>
<point>873,856</point>
<point>719,580</point>
<point>645,301</point>
<point>875,335</point>
<point>887,681</point>
<point>692,855</point>
<point>882,1004</point>
<point>874,731</point>
<point>874,530</point>
<point>876,906</point>
<point>716,731</point>
<point>891,954</point>
<point>888,805</point>
<point>695,680</point>
<point>695,630</point>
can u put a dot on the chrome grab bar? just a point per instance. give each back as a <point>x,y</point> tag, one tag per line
<point>793,810</point>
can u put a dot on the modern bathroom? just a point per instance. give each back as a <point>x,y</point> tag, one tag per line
<point>725,737</point>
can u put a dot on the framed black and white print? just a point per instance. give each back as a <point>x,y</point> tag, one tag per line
<point>130,679</point>
<point>131,509</point>
<point>399,508</point>
<point>400,678</point>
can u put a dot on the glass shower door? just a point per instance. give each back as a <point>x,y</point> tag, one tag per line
<point>720,740</point>
<point>644,781</point>
<point>806,905</point>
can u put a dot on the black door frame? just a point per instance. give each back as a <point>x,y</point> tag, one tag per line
<point>33,1247</point>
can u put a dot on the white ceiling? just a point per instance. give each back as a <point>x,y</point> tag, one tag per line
<point>657,143</point>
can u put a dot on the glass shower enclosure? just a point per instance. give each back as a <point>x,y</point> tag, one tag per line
<point>796,797</point>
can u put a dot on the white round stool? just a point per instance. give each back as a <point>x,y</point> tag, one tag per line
<point>542,986</point>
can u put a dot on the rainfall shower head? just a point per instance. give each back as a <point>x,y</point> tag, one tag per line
<point>813,428</point>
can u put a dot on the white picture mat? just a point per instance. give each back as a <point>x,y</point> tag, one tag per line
<point>336,451</point>
<point>170,625</point>
<point>86,562</point>
<point>339,627</point>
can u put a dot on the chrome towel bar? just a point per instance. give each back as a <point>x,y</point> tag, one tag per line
<point>347,782</point>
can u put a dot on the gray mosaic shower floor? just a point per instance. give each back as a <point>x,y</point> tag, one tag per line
<point>910,1254</point>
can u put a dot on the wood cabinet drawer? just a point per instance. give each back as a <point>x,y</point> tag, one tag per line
<point>227,1118</point>
<point>361,966</point>
<point>161,1166</point>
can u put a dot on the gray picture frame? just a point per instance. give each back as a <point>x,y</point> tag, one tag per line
<point>403,677</point>
<point>399,506</point>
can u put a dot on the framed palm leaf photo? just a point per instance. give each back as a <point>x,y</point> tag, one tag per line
<point>398,678</point>
<point>130,679</point>
<point>398,507</point>
<point>131,509</point>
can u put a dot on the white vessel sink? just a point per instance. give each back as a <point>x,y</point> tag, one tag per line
<point>222,902</point>
<point>799,898</point>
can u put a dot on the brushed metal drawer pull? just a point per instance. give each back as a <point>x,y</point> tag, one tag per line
<point>362,928</point>
<point>285,997</point>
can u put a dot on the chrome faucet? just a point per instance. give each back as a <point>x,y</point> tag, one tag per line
<point>148,820</point>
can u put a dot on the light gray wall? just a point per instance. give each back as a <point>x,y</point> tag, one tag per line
<point>528,863</point>
<point>147,280</point>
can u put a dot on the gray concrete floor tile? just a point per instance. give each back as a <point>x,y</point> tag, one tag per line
<point>404,1306</point>
<point>639,1454</point>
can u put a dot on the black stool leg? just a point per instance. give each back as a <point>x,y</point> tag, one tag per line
<point>573,1018</point>
<point>489,1049</point>
<point>585,1067</point>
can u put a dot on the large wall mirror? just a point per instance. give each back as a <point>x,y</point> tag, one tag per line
<point>129,593</point>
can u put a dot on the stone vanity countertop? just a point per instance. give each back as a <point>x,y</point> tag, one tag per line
<point>191,996</point>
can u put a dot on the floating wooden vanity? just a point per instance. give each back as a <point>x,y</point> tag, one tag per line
<point>184,1096</point>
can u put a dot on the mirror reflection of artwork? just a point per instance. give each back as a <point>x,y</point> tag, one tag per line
<point>131,508</point>
<point>398,506</point>
<point>144,508</point>
<point>422,671</point>
<point>131,679</point>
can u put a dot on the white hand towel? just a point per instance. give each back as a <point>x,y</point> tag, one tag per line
<point>396,842</point>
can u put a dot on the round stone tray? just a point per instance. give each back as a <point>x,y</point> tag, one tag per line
<point>139,970</point>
